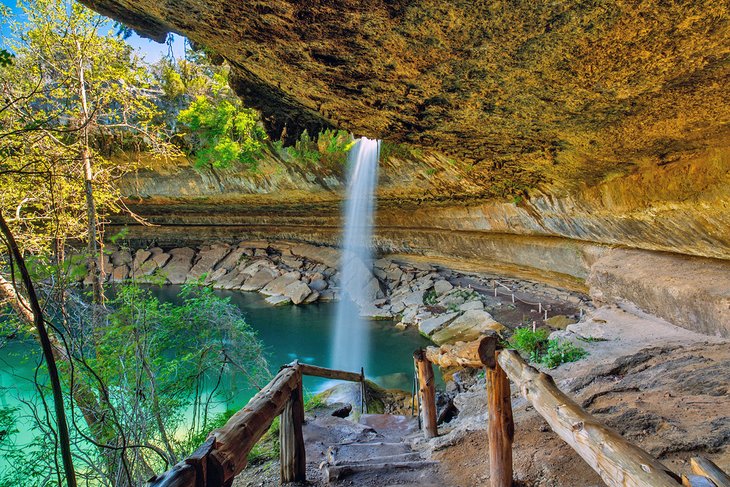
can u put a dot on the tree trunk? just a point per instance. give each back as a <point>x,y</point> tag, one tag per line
<point>95,257</point>
<point>48,355</point>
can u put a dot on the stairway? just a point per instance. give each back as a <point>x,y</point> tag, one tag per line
<point>380,456</point>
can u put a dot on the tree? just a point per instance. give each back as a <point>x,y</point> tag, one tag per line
<point>210,120</point>
<point>88,97</point>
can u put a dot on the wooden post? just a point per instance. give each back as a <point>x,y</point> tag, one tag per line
<point>292,453</point>
<point>427,390</point>
<point>501,428</point>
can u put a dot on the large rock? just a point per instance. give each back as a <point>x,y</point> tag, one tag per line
<point>431,325</point>
<point>414,299</point>
<point>326,255</point>
<point>297,291</point>
<point>177,268</point>
<point>121,257</point>
<point>442,287</point>
<point>467,327</point>
<point>207,260</point>
<point>693,293</point>
<point>140,256</point>
<point>161,258</point>
<point>318,284</point>
<point>372,312</point>
<point>233,258</point>
<point>278,300</point>
<point>262,277</point>
<point>278,285</point>
<point>146,269</point>
<point>120,273</point>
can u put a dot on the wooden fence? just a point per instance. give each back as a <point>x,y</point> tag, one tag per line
<point>224,454</point>
<point>618,462</point>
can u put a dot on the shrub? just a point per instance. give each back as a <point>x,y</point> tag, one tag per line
<point>561,353</point>
<point>430,297</point>
<point>541,350</point>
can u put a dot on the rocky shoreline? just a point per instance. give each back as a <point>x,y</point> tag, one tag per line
<point>443,304</point>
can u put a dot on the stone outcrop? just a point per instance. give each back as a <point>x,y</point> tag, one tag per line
<point>689,292</point>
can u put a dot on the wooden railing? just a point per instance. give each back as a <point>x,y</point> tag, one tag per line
<point>224,454</point>
<point>618,462</point>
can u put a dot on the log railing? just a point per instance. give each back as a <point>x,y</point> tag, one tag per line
<point>616,460</point>
<point>225,453</point>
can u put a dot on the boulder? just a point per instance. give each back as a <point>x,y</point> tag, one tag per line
<point>318,284</point>
<point>326,255</point>
<point>262,277</point>
<point>180,263</point>
<point>328,295</point>
<point>471,305</point>
<point>215,275</point>
<point>147,268</point>
<point>207,260</point>
<point>278,300</point>
<point>120,273</point>
<point>372,291</point>
<point>230,280</point>
<point>231,261</point>
<point>292,262</point>
<point>467,327</point>
<point>430,326</point>
<point>297,291</point>
<point>442,287</point>
<point>371,312</point>
<point>394,274</point>
<point>161,258</point>
<point>414,299</point>
<point>313,296</point>
<point>278,285</point>
<point>140,256</point>
<point>121,257</point>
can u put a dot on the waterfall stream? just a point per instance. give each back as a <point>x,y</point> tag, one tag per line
<point>350,339</point>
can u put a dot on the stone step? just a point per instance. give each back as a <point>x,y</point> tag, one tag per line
<point>400,458</point>
<point>358,451</point>
<point>382,474</point>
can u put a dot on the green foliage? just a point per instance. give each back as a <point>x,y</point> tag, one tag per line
<point>558,352</point>
<point>223,133</point>
<point>430,297</point>
<point>328,149</point>
<point>541,350</point>
<point>533,343</point>
<point>314,402</point>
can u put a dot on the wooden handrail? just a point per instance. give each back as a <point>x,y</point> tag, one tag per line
<point>616,460</point>
<point>225,453</point>
<point>316,371</point>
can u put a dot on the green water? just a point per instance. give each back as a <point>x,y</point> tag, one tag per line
<point>288,332</point>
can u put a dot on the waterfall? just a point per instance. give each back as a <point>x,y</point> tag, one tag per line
<point>351,336</point>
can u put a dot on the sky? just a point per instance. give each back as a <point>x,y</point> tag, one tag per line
<point>150,50</point>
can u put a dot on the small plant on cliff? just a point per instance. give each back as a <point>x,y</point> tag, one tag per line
<point>430,297</point>
<point>558,352</point>
<point>541,350</point>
